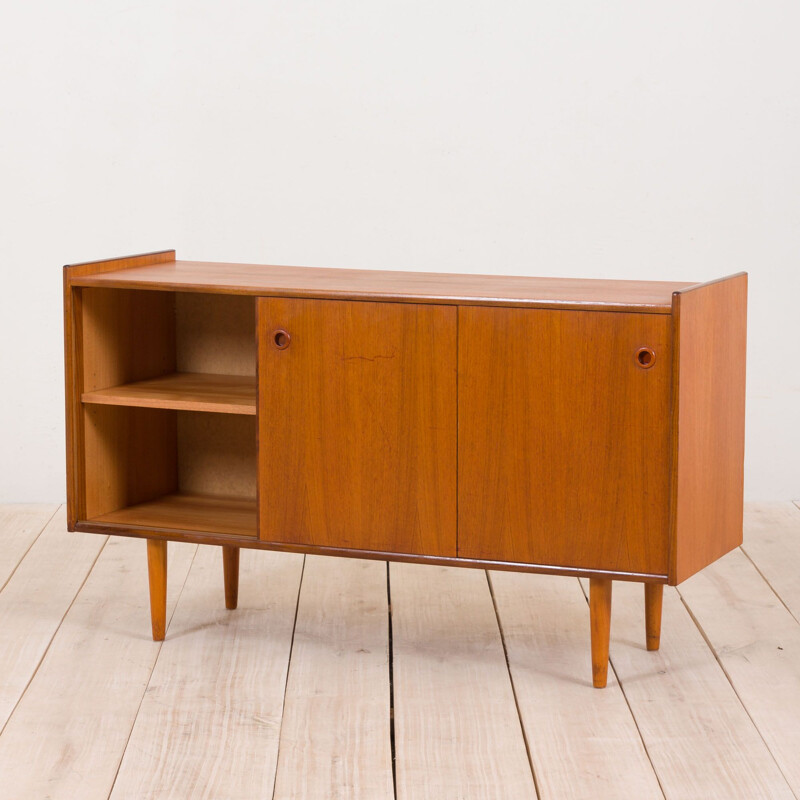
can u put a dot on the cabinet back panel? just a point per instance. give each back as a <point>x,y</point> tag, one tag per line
<point>564,440</point>
<point>215,333</point>
<point>217,454</point>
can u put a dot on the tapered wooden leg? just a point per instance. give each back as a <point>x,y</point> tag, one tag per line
<point>653,597</point>
<point>600,619</point>
<point>157,571</point>
<point>230,566</point>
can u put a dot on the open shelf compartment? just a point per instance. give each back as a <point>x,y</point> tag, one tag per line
<point>168,411</point>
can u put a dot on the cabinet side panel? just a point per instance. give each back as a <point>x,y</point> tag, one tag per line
<point>73,383</point>
<point>127,335</point>
<point>708,469</point>
<point>129,456</point>
<point>563,444</point>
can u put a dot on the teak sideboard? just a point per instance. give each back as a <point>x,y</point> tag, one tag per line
<point>574,427</point>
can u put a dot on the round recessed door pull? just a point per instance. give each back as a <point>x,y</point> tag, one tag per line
<point>645,357</point>
<point>281,339</point>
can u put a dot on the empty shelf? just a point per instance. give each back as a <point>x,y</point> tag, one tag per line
<point>189,512</point>
<point>183,391</point>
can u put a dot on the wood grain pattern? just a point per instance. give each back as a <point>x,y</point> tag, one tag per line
<point>186,391</point>
<point>698,735</point>
<point>757,641</point>
<point>68,734</point>
<point>457,732</point>
<point>157,579</point>
<point>563,447</point>
<point>34,600</point>
<point>600,624</point>
<point>232,515</point>
<point>583,744</point>
<point>209,723</point>
<point>73,378</point>
<point>335,730</point>
<point>708,418</point>
<point>359,419</point>
<point>414,287</point>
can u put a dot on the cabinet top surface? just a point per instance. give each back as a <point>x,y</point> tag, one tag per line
<point>421,287</point>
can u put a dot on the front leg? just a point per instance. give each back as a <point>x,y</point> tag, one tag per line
<point>157,573</point>
<point>600,620</point>
<point>230,567</point>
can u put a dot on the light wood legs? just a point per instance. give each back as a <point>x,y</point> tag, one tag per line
<point>653,596</point>
<point>157,571</point>
<point>600,619</point>
<point>230,566</point>
<point>599,604</point>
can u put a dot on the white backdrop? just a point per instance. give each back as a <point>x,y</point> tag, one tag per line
<point>588,139</point>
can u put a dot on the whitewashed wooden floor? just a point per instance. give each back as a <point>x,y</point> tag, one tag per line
<point>475,686</point>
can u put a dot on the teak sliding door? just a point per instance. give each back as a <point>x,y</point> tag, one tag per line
<point>357,424</point>
<point>564,441</point>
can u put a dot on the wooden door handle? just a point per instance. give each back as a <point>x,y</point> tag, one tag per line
<point>281,338</point>
<point>645,357</point>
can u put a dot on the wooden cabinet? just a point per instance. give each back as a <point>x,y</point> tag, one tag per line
<point>589,428</point>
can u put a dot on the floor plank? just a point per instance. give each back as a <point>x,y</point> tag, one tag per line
<point>19,527</point>
<point>758,643</point>
<point>35,600</point>
<point>209,722</point>
<point>457,732</point>
<point>772,542</point>
<point>335,735</point>
<point>67,735</point>
<point>581,740</point>
<point>699,737</point>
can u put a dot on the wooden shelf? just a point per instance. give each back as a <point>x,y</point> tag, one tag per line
<point>188,512</point>
<point>183,391</point>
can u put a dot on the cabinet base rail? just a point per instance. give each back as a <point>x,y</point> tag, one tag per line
<point>226,540</point>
